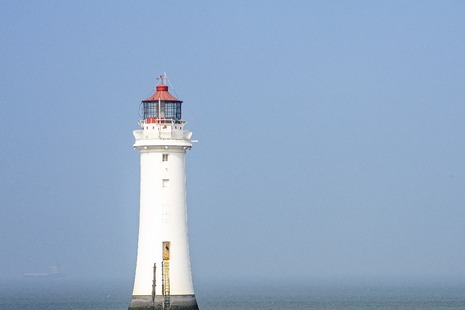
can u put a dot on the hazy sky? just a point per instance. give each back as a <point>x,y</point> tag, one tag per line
<point>331,135</point>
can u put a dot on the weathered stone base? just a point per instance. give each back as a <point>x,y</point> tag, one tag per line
<point>177,302</point>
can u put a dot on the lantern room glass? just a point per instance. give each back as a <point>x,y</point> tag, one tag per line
<point>163,109</point>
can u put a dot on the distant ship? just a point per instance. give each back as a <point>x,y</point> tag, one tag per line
<point>53,271</point>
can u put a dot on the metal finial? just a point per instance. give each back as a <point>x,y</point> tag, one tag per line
<point>162,78</point>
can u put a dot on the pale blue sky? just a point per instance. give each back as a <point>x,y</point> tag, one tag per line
<point>331,135</point>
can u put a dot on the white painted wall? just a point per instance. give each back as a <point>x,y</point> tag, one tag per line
<point>163,210</point>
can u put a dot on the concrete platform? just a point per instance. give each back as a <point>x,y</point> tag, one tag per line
<point>177,302</point>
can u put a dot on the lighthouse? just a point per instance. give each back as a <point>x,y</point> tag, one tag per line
<point>163,277</point>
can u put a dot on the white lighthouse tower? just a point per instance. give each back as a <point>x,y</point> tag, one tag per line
<point>163,277</point>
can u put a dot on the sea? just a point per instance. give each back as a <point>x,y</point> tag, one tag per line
<point>63,294</point>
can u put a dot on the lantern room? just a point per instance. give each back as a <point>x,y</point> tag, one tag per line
<point>162,107</point>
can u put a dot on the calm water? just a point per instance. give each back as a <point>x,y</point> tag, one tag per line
<point>61,294</point>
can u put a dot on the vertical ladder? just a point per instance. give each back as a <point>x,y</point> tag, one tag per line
<point>166,284</point>
<point>166,275</point>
